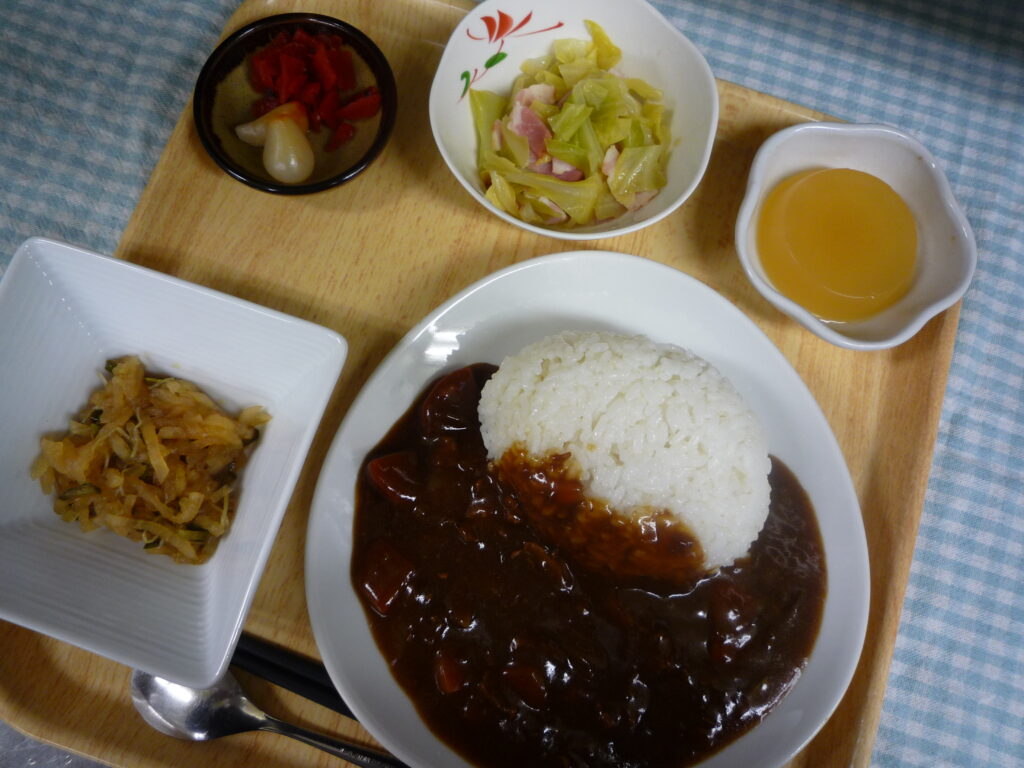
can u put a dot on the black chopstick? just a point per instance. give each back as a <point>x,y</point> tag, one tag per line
<point>292,671</point>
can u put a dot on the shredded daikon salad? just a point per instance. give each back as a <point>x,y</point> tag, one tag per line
<point>574,144</point>
<point>153,459</point>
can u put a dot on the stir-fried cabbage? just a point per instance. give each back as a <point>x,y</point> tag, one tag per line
<point>155,460</point>
<point>594,146</point>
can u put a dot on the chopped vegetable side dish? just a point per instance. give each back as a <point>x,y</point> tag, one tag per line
<point>153,459</point>
<point>575,144</point>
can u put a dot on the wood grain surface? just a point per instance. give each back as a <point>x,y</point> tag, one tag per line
<point>368,260</point>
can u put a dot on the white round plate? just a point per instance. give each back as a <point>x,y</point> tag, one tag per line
<point>498,316</point>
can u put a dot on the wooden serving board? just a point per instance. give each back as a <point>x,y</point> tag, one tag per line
<point>371,258</point>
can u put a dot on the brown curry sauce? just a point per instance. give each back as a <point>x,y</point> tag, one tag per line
<point>521,644</point>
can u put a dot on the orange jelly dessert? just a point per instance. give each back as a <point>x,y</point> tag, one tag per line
<point>840,243</point>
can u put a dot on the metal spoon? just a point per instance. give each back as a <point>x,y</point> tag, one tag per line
<point>201,714</point>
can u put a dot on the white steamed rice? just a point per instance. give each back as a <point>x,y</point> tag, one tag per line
<point>651,426</point>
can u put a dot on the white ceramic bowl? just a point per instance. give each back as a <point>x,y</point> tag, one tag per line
<point>652,49</point>
<point>946,252</point>
<point>65,311</point>
<point>588,290</point>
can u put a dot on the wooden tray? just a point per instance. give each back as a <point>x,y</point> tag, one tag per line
<point>369,260</point>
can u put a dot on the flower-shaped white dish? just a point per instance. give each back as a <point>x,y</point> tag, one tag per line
<point>64,311</point>
<point>946,251</point>
<point>588,290</point>
<point>490,44</point>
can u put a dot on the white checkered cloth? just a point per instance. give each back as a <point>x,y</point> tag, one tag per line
<point>90,90</point>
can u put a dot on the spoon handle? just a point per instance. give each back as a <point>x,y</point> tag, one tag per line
<point>354,753</point>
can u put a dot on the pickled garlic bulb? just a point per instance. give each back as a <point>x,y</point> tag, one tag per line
<point>287,153</point>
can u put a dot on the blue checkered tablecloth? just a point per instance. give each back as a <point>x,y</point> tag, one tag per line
<point>90,89</point>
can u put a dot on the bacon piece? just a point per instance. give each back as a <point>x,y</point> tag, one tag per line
<point>542,92</point>
<point>528,124</point>
<point>565,171</point>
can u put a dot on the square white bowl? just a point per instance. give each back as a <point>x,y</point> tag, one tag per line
<point>64,311</point>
